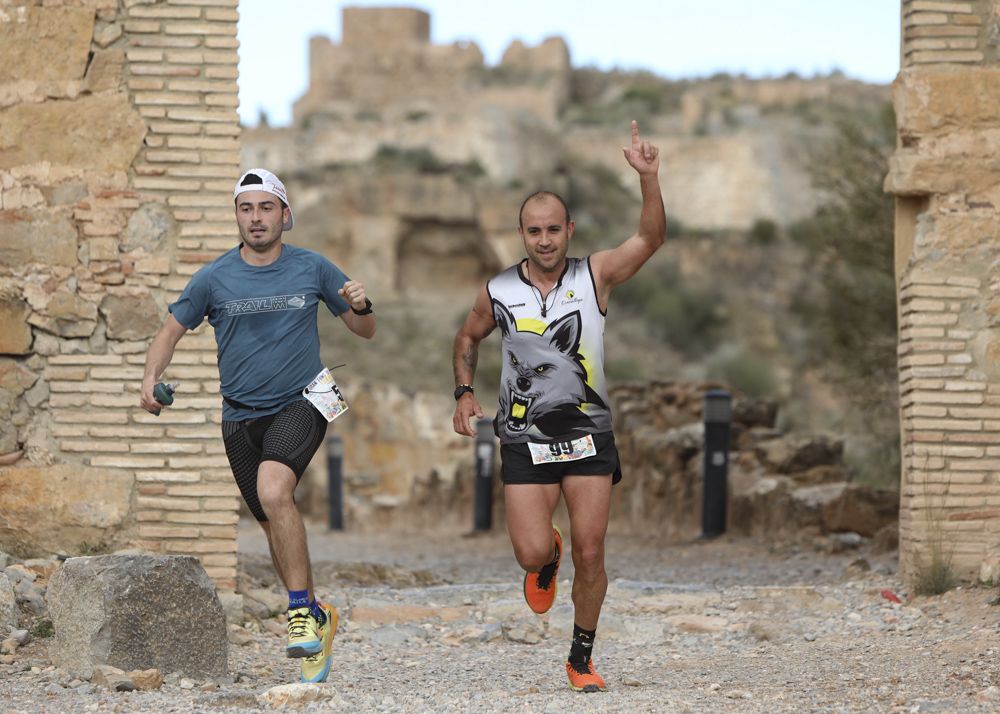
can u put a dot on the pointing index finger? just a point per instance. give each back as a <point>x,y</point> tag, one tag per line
<point>635,135</point>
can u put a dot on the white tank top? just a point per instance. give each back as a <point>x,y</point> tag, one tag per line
<point>552,385</point>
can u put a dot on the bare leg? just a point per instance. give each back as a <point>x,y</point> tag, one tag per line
<point>588,500</point>
<point>286,534</point>
<point>529,509</point>
<point>266,526</point>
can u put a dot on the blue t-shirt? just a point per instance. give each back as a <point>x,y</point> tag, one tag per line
<point>265,323</point>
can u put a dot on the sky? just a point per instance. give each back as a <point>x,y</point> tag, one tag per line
<point>677,39</point>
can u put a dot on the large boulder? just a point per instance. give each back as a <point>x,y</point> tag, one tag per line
<point>792,453</point>
<point>137,612</point>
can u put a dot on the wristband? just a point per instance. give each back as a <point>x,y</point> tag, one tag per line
<point>462,389</point>
<point>367,311</point>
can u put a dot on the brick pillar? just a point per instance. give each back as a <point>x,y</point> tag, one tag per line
<point>948,193</point>
<point>182,71</point>
<point>121,149</point>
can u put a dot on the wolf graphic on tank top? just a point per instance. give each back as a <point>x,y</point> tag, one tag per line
<point>552,385</point>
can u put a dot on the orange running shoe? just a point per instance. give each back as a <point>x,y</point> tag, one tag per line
<point>583,678</point>
<point>540,587</point>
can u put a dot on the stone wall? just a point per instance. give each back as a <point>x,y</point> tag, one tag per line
<point>119,145</point>
<point>947,185</point>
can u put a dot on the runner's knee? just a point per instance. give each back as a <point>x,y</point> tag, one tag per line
<point>588,557</point>
<point>533,556</point>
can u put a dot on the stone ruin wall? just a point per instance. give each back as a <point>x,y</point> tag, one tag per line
<point>119,146</point>
<point>947,186</point>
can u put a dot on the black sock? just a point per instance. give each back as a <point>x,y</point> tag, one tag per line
<point>583,642</point>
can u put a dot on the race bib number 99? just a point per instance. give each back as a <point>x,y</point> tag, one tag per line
<point>560,451</point>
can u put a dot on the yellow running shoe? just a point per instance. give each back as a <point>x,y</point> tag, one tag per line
<point>315,668</point>
<point>540,587</point>
<point>303,635</point>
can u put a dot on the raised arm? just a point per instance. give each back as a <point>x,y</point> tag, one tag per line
<point>161,351</point>
<point>478,325</point>
<point>613,267</point>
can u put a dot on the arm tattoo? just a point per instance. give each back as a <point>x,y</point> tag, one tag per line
<point>471,358</point>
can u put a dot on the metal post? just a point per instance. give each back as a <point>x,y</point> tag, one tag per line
<point>718,416</point>
<point>483,494</point>
<point>335,481</point>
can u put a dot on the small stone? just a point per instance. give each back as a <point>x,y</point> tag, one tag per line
<point>22,637</point>
<point>294,694</point>
<point>111,678</point>
<point>809,637</point>
<point>8,646</point>
<point>186,683</point>
<point>53,689</point>
<point>146,680</point>
<point>238,636</point>
<point>990,694</point>
<point>209,687</point>
<point>7,659</point>
<point>275,628</point>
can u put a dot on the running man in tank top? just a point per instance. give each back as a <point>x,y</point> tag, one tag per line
<point>554,420</point>
<point>261,297</point>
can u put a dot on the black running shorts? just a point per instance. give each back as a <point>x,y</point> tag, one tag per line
<point>290,437</point>
<point>516,465</point>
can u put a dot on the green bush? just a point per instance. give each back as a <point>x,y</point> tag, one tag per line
<point>43,629</point>
<point>763,232</point>
<point>688,317</point>
<point>749,374</point>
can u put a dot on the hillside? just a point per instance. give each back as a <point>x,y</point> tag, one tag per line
<point>406,167</point>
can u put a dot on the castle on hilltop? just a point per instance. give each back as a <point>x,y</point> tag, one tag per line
<point>386,85</point>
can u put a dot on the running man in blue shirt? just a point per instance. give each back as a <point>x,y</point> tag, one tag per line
<point>262,299</point>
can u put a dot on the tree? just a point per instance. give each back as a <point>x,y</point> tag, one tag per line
<point>850,309</point>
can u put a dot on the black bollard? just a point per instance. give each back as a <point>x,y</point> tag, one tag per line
<point>718,415</point>
<point>335,481</point>
<point>483,493</point>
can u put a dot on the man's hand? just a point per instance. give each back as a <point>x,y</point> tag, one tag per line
<point>354,293</point>
<point>643,156</point>
<point>146,400</point>
<point>466,408</point>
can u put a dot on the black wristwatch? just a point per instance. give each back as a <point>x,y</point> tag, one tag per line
<point>462,389</point>
<point>367,311</point>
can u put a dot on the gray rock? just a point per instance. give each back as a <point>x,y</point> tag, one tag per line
<point>31,598</point>
<point>527,634</point>
<point>238,699</point>
<point>137,612</point>
<point>22,637</point>
<point>111,678</point>
<point>4,560</point>
<point>9,615</point>
<point>17,573</point>
<point>396,635</point>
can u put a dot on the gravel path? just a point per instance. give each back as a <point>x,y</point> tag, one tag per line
<point>438,624</point>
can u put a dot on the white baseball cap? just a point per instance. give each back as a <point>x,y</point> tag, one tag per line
<point>269,183</point>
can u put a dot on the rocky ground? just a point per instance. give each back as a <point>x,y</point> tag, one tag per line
<point>438,624</point>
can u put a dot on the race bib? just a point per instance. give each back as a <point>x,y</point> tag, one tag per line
<point>324,394</point>
<point>562,451</point>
